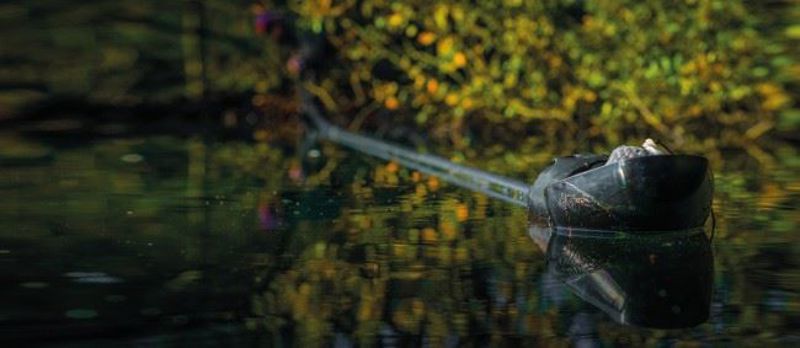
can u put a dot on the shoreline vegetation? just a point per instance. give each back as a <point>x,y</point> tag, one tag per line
<point>703,76</point>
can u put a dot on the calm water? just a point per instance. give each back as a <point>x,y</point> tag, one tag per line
<point>175,241</point>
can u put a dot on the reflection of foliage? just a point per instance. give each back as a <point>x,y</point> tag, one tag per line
<point>422,267</point>
<point>414,262</point>
<point>602,68</point>
<point>410,258</point>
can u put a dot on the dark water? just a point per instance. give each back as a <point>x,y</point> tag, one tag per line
<point>187,242</point>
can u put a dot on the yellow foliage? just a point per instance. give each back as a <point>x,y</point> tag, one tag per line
<point>774,96</point>
<point>445,46</point>
<point>432,86</point>
<point>395,20</point>
<point>615,68</point>
<point>426,38</point>
<point>460,60</point>
<point>433,183</point>
<point>429,235</point>
<point>451,99</point>
<point>392,103</point>
<point>462,212</point>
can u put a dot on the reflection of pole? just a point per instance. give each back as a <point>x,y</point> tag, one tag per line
<point>583,331</point>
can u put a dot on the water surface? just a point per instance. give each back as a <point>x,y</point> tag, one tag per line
<point>188,241</point>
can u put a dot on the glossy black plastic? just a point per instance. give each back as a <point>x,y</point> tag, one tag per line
<point>562,167</point>
<point>652,193</point>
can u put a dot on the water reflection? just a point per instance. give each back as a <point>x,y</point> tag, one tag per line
<point>355,250</point>
<point>659,280</point>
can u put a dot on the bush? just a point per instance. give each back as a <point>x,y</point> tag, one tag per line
<point>692,72</point>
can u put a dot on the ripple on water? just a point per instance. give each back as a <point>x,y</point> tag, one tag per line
<point>115,298</point>
<point>34,285</point>
<point>81,313</point>
<point>92,278</point>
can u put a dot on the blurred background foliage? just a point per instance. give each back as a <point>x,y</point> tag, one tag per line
<point>696,73</point>
<point>699,74</point>
<point>127,52</point>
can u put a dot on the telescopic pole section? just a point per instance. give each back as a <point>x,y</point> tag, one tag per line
<point>492,185</point>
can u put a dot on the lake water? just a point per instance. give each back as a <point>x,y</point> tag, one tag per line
<point>181,241</point>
